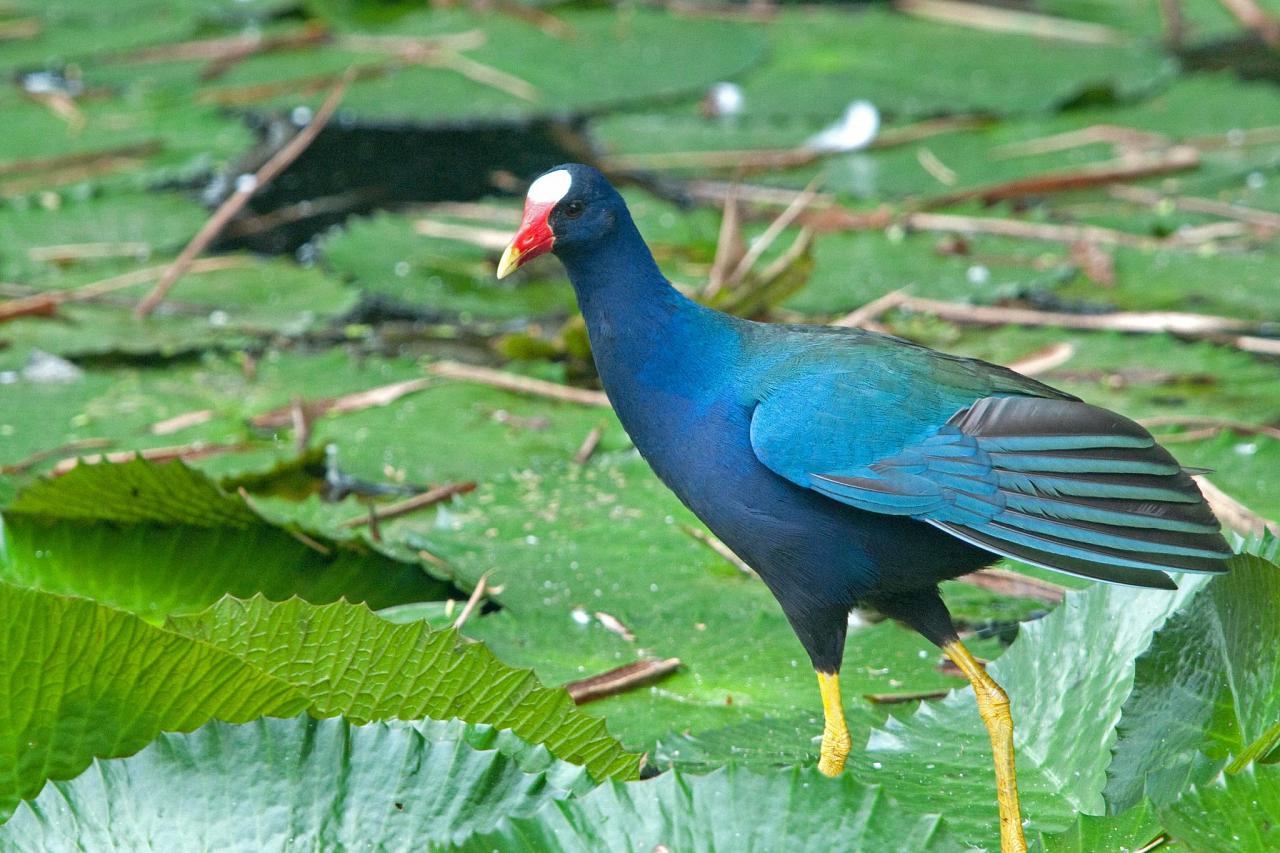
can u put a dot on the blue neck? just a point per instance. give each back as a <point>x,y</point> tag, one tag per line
<point>646,336</point>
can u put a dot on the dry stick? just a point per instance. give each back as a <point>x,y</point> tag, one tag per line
<point>413,504</point>
<point>382,395</point>
<point>588,447</point>
<point>67,252</point>
<point>45,164</point>
<point>484,74</point>
<point>47,303</point>
<point>1150,322</point>
<point>1171,17</point>
<point>620,680</point>
<point>755,159</point>
<point>1253,16</point>
<point>1236,139</point>
<point>477,594</point>
<point>1014,585</point>
<point>909,696</point>
<point>1233,514</point>
<point>1252,343</point>
<point>614,625</point>
<point>721,549</point>
<point>983,17</point>
<point>1044,231</point>
<point>1109,134</point>
<point>1045,359</point>
<point>198,450</point>
<point>63,106</point>
<point>304,210</point>
<point>485,238</point>
<point>22,28</point>
<point>1190,435</point>
<point>68,175</point>
<point>238,199</point>
<point>240,96</point>
<point>866,316</point>
<point>519,384</point>
<point>177,423</point>
<point>1177,159</point>
<point>771,233</point>
<point>935,167</point>
<point>1192,204</point>
<point>729,246</point>
<point>39,456</point>
<point>310,36</point>
<point>1219,424</point>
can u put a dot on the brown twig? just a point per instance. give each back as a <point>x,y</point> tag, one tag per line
<point>722,550</point>
<point>1173,30</point>
<point>69,252</point>
<point>21,28</point>
<point>1207,421</point>
<point>588,447</point>
<point>62,105</point>
<point>69,175</point>
<point>1253,16</point>
<point>177,423</point>
<point>310,36</point>
<point>730,247</point>
<point>185,452</point>
<point>1148,322</point>
<point>383,395</point>
<point>490,239</point>
<point>1191,204</point>
<point>26,464</point>
<point>477,595</point>
<point>300,420</point>
<point>131,151</point>
<point>410,505</point>
<point>516,383</point>
<point>1043,231</point>
<point>48,302</point>
<point>1123,138</point>
<point>1232,513</point>
<point>780,223</point>
<point>763,159</point>
<point>620,680</point>
<point>251,93</point>
<point>995,19</point>
<point>935,167</point>
<point>1045,359</point>
<point>899,698</point>
<point>866,316</point>
<point>1014,585</point>
<point>238,199</point>
<point>614,625</point>
<point>1236,139</point>
<point>1179,158</point>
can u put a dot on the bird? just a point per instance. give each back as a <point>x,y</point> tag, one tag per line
<point>856,469</point>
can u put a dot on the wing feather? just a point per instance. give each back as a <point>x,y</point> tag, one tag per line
<point>1050,481</point>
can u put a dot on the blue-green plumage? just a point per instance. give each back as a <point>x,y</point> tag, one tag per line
<point>848,467</point>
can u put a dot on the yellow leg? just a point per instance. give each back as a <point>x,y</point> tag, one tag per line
<point>836,742</point>
<point>993,705</point>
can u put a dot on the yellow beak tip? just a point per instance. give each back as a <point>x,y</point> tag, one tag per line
<point>510,260</point>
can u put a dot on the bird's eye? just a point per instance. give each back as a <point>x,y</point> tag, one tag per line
<point>574,209</point>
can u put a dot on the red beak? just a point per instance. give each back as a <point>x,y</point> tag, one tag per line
<point>533,239</point>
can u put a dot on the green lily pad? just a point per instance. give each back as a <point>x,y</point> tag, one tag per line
<point>322,783</point>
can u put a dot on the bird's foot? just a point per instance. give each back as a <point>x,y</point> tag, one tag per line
<point>836,742</point>
<point>834,752</point>
<point>993,706</point>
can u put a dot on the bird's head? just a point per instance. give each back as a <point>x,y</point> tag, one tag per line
<point>567,207</point>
